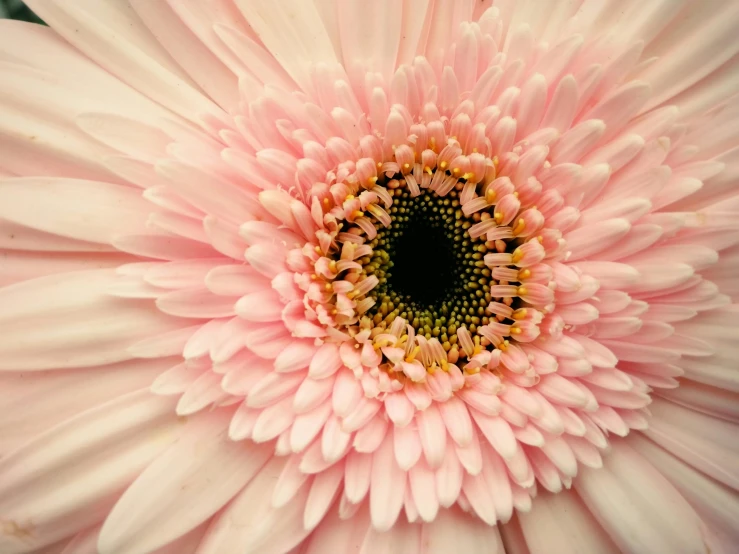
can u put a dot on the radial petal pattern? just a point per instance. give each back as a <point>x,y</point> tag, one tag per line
<point>316,277</point>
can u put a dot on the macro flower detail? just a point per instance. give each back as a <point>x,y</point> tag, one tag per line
<point>297,277</point>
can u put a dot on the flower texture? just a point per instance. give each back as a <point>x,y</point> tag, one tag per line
<point>373,277</point>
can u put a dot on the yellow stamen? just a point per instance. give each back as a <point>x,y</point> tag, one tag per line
<point>314,277</point>
<point>517,255</point>
<point>468,176</point>
<point>524,274</point>
<point>443,165</point>
<point>371,181</point>
<point>519,314</point>
<point>498,216</point>
<point>515,330</point>
<point>427,169</point>
<point>412,356</point>
<point>357,213</point>
<point>406,166</point>
<point>520,226</point>
<point>380,343</point>
<point>490,196</point>
<point>332,266</point>
<point>521,291</point>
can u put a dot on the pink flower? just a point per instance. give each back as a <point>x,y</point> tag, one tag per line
<point>285,277</point>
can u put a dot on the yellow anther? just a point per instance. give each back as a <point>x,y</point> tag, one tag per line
<point>474,150</point>
<point>468,176</point>
<point>349,197</point>
<point>427,169</point>
<point>456,170</point>
<point>379,165</point>
<point>318,249</point>
<point>325,201</point>
<point>515,194</point>
<point>443,165</point>
<point>412,356</point>
<point>490,196</point>
<point>327,286</point>
<point>519,314</point>
<point>371,181</point>
<point>520,226</point>
<point>524,274</point>
<point>314,277</point>
<point>406,166</point>
<point>445,365</point>
<point>431,369</point>
<point>540,239</point>
<point>334,311</point>
<point>498,216</point>
<point>515,331</point>
<point>517,255</point>
<point>380,343</point>
<point>357,213</point>
<point>496,161</point>
<point>521,291</point>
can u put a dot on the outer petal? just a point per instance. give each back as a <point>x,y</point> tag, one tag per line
<point>71,208</point>
<point>251,522</point>
<point>69,321</point>
<point>183,487</point>
<point>561,522</point>
<point>68,478</point>
<point>661,521</point>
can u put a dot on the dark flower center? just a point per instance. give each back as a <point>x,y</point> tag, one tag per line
<point>431,272</point>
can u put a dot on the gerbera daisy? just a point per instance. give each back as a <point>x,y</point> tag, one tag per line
<point>283,276</point>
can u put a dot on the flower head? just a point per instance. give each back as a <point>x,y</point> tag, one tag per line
<point>296,277</point>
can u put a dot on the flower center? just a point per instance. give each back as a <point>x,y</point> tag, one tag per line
<point>431,272</point>
<point>422,260</point>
